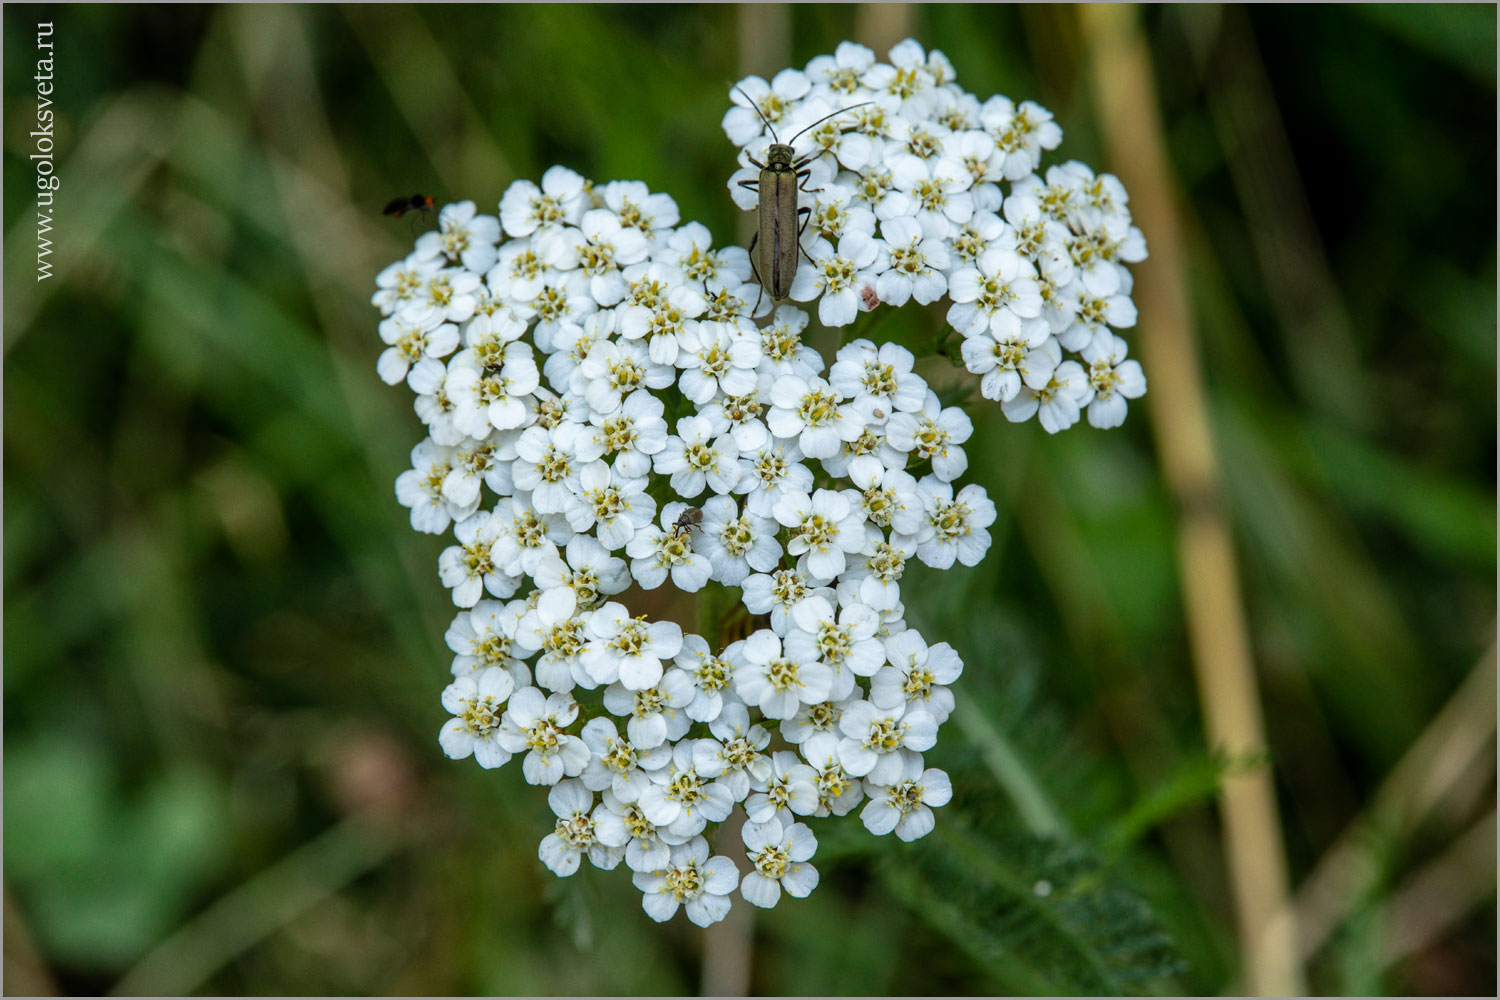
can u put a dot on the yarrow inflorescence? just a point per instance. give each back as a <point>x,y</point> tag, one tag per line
<point>603,409</point>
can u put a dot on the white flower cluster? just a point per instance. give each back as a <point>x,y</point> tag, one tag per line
<point>918,190</point>
<point>593,364</point>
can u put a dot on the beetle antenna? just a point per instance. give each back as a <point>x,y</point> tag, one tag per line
<point>756,108</point>
<point>826,117</point>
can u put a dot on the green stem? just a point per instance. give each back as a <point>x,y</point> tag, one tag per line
<point>711,601</point>
<point>1037,811</point>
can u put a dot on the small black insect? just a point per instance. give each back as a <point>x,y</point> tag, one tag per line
<point>686,522</point>
<point>398,207</point>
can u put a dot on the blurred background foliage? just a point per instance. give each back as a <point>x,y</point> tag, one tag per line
<point>223,643</point>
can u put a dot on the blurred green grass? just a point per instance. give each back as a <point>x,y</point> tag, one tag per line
<point>224,644</point>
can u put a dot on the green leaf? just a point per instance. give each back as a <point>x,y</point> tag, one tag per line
<point>1040,916</point>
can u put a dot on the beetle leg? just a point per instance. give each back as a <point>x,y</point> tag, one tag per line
<point>802,185</point>
<point>752,185</point>
<point>806,214</point>
<point>755,161</point>
<point>756,271</point>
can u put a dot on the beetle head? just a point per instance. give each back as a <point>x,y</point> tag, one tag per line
<point>779,155</point>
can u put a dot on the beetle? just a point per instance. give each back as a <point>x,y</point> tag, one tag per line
<point>686,522</point>
<point>781,177</point>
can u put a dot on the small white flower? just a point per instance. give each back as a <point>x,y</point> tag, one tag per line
<point>938,187</point>
<point>656,552</point>
<point>429,380</point>
<point>587,569</point>
<point>781,347</point>
<point>470,568</point>
<point>835,277</point>
<point>712,677</point>
<point>421,489</point>
<point>535,722</point>
<point>657,713</point>
<point>838,792</point>
<point>810,411</point>
<point>398,283</point>
<point>1001,282</point>
<point>1095,315</point>
<point>638,207</point>
<point>769,472</point>
<point>410,343</point>
<point>449,295</point>
<point>1114,380</point>
<point>572,343</point>
<point>733,756</point>
<point>623,824</point>
<point>835,209</point>
<point>779,854</point>
<point>1021,133</point>
<point>846,644</point>
<point>699,884</point>
<point>632,434</point>
<point>618,764</point>
<point>876,573</point>
<point>878,381</point>
<point>566,298</point>
<point>976,151</point>
<point>776,593</point>
<point>484,636</point>
<point>681,800</point>
<point>696,458</point>
<point>812,720</point>
<point>523,538</point>
<point>615,506</point>
<point>1058,404</point>
<point>629,650</point>
<point>973,239</point>
<point>607,247</point>
<point>741,416</point>
<point>691,250</point>
<point>840,73</point>
<point>917,264</point>
<point>548,462</point>
<point>825,527</point>
<point>552,628</point>
<point>560,200</point>
<point>493,396</point>
<point>791,788</point>
<point>716,357</point>
<point>734,543</point>
<point>742,124</point>
<point>1011,352</point>
<point>673,310</point>
<point>874,738</point>
<point>574,836</point>
<point>476,702</point>
<point>917,675</point>
<point>933,434</point>
<point>523,267</point>
<point>773,681</point>
<point>475,462</point>
<point>905,804</point>
<point>463,237</point>
<point>953,527</point>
